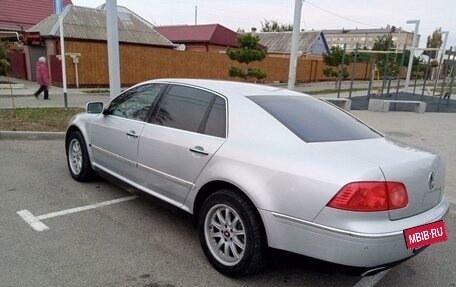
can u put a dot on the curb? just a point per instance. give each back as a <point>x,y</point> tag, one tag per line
<point>10,135</point>
<point>16,96</point>
<point>12,86</point>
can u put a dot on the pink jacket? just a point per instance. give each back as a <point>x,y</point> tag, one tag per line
<point>42,75</point>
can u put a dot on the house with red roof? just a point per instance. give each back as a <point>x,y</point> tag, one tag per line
<point>21,15</point>
<point>200,38</point>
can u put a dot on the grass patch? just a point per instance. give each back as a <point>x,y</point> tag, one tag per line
<point>37,119</point>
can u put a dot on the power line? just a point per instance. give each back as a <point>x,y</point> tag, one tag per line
<point>337,15</point>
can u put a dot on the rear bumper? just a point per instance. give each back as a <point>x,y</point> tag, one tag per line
<point>339,246</point>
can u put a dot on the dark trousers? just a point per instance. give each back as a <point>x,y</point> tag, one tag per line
<point>45,89</point>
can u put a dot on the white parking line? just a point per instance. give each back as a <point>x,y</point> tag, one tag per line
<point>35,221</point>
<point>31,219</point>
<point>371,281</point>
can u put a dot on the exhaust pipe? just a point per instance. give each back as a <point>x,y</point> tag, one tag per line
<point>373,271</point>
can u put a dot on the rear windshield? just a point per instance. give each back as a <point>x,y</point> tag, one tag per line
<point>314,120</point>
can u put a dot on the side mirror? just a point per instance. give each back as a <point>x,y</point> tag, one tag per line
<point>94,107</point>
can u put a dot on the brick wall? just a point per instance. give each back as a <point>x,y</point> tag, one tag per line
<point>139,63</point>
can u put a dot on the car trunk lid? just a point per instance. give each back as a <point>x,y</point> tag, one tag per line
<point>421,171</point>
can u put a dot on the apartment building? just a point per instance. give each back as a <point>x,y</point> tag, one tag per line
<point>367,37</point>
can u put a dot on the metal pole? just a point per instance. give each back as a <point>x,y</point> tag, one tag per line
<point>437,77</point>
<point>341,69</point>
<point>412,52</point>
<point>196,15</point>
<point>370,82</point>
<point>77,75</point>
<point>451,85</point>
<point>385,68</point>
<point>294,44</point>
<point>416,77</point>
<point>57,6</point>
<point>444,81</point>
<point>113,47</point>
<point>443,49</point>
<point>400,70</point>
<point>426,74</point>
<point>353,71</point>
<point>62,54</point>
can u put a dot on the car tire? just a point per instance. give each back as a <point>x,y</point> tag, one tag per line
<point>78,158</point>
<point>231,234</point>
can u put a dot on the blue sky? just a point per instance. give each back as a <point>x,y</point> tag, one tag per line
<point>316,14</point>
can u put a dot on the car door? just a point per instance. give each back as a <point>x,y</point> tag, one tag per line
<point>115,133</point>
<point>187,127</point>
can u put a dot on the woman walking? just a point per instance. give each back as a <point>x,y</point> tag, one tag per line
<point>42,78</point>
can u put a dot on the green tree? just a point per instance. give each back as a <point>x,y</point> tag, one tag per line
<point>333,61</point>
<point>4,63</point>
<point>275,26</point>
<point>247,53</point>
<point>384,43</point>
<point>434,41</point>
<point>4,66</point>
<point>392,60</point>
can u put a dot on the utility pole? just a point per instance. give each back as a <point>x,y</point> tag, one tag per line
<point>113,48</point>
<point>196,15</point>
<point>294,44</point>
<point>58,10</point>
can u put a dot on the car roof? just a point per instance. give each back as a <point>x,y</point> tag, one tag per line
<point>228,88</point>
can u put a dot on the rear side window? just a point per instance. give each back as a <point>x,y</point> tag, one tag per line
<point>313,120</point>
<point>192,110</point>
<point>216,121</point>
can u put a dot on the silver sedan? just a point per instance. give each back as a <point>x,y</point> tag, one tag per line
<point>260,167</point>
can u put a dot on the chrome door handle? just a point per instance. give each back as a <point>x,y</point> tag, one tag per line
<point>132,134</point>
<point>199,150</point>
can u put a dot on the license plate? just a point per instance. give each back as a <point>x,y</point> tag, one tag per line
<point>425,234</point>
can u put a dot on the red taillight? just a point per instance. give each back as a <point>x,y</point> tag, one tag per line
<point>397,195</point>
<point>370,196</point>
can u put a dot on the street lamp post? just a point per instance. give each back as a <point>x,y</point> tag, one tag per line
<point>412,52</point>
<point>294,44</point>
<point>62,59</point>
<point>58,10</point>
